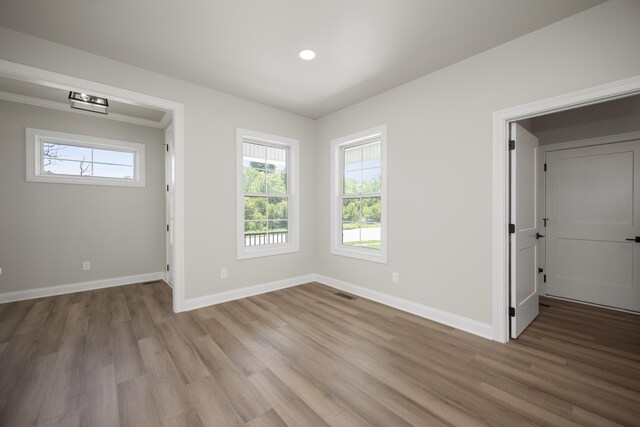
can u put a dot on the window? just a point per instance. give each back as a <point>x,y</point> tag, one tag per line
<point>76,159</point>
<point>267,194</point>
<point>359,195</point>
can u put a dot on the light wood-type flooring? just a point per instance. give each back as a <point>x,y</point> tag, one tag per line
<point>305,356</point>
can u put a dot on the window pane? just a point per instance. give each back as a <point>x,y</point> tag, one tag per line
<point>112,171</point>
<point>253,155</point>
<point>255,233</point>
<point>370,210</point>
<point>370,235</point>
<point>276,159</point>
<point>350,233</point>
<point>255,227</point>
<point>277,208</point>
<point>277,182</point>
<point>365,236</point>
<point>361,222</point>
<point>278,232</point>
<point>67,167</point>
<point>279,226</point>
<point>371,155</point>
<point>255,208</point>
<point>353,158</point>
<point>115,157</point>
<point>371,180</point>
<point>351,210</point>
<point>254,181</point>
<point>353,182</point>
<point>65,152</point>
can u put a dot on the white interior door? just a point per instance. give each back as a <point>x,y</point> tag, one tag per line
<point>524,229</point>
<point>593,206</point>
<point>170,181</point>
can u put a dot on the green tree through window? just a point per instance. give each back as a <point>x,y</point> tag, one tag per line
<point>361,217</point>
<point>265,194</point>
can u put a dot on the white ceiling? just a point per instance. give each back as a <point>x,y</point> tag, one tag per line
<point>249,47</point>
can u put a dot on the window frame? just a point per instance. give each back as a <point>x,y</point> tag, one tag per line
<point>338,147</point>
<point>34,158</point>
<point>293,205</point>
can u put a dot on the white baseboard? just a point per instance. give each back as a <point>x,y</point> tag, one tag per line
<point>481,329</point>
<point>79,287</point>
<point>472,326</point>
<point>199,302</point>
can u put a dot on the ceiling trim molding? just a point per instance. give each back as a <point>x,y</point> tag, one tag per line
<point>61,106</point>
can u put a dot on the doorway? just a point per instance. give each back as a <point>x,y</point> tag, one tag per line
<point>174,113</point>
<point>575,213</point>
<point>502,271</point>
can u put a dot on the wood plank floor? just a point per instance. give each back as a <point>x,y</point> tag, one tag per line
<point>305,357</point>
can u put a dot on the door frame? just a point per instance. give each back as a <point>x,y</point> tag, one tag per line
<point>169,155</point>
<point>500,184</point>
<point>174,110</point>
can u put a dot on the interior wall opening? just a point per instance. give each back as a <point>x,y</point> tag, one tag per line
<point>584,207</point>
<point>98,215</point>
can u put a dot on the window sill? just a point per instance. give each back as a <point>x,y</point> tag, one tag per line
<point>363,254</point>
<point>248,253</point>
<point>85,181</point>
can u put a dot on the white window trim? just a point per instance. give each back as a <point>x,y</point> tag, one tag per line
<point>34,137</point>
<point>337,147</point>
<point>293,205</point>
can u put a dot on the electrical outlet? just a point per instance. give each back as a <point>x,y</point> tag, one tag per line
<point>223,273</point>
<point>86,265</point>
<point>395,277</point>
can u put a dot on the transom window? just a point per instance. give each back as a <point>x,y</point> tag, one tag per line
<point>77,159</point>
<point>358,187</point>
<point>268,201</point>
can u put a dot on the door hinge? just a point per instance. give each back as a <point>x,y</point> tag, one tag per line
<point>167,227</point>
<point>167,187</point>
<point>512,228</point>
<point>545,167</point>
<point>544,278</point>
<point>167,267</point>
<point>512,312</point>
<point>540,270</point>
<point>512,145</point>
<point>167,145</point>
<point>545,221</point>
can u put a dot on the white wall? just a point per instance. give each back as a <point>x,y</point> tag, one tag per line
<point>47,230</point>
<point>439,154</point>
<point>211,119</point>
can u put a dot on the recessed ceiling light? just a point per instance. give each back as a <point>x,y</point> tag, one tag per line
<point>307,54</point>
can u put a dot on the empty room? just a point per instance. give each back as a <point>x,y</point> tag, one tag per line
<point>344,213</point>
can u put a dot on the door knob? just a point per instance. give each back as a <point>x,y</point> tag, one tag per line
<point>539,236</point>
<point>635,239</point>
